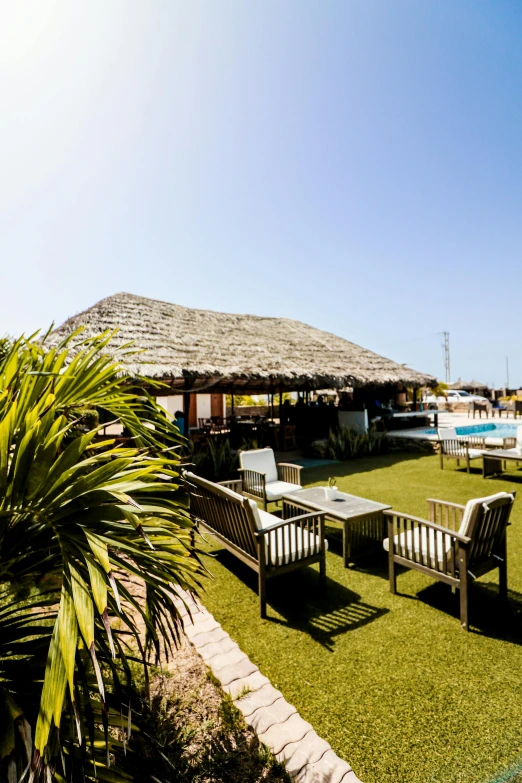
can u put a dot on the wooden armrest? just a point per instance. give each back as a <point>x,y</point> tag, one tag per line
<point>291,520</point>
<point>433,525</point>
<point>235,484</point>
<point>286,471</point>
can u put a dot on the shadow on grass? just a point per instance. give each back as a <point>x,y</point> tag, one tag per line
<point>511,477</point>
<point>488,614</point>
<point>305,605</point>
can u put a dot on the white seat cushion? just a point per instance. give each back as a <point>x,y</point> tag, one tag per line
<point>275,489</point>
<point>290,539</point>
<point>420,545</point>
<point>475,453</point>
<point>260,460</point>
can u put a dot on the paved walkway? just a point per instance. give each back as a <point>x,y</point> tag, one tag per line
<point>293,741</point>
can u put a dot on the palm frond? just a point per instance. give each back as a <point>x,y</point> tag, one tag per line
<point>83,521</point>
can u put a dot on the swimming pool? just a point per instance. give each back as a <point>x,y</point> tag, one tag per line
<point>494,433</point>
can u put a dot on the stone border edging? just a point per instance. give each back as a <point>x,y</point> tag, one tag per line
<point>292,740</point>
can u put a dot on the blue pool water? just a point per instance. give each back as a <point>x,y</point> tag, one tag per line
<point>489,430</point>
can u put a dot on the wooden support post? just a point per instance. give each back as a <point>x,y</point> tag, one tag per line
<point>186,412</point>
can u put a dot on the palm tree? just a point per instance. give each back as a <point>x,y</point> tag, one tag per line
<point>83,520</point>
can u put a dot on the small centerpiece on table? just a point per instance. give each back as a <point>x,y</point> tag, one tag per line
<point>331,490</point>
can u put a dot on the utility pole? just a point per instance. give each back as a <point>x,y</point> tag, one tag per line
<point>507,373</point>
<point>447,356</point>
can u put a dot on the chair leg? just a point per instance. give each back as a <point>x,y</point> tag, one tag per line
<point>262,594</point>
<point>393,575</point>
<point>464,585</point>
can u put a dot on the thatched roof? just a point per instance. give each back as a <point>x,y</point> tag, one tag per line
<point>465,385</point>
<point>205,350</point>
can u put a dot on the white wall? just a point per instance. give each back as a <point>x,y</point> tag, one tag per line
<point>174,403</point>
<point>171,403</point>
<point>203,406</point>
<point>356,419</point>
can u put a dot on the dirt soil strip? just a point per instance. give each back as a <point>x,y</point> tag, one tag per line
<point>293,741</point>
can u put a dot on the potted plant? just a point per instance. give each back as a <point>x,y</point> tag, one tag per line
<point>331,490</point>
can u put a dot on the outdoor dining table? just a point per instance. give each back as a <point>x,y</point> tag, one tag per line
<point>362,520</point>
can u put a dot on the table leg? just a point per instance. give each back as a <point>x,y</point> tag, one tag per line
<point>491,466</point>
<point>346,543</point>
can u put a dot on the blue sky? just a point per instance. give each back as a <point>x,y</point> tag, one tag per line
<point>356,165</point>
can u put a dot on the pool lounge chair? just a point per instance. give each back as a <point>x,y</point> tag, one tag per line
<point>453,447</point>
<point>451,555</point>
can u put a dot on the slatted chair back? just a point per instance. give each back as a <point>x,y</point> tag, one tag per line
<point>450,445</point>
<point>487,528</point>
<point>453,448</point>
<point>229,515</point>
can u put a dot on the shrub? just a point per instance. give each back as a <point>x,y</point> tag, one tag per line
<point>347,443</point>
<point>215,459</point>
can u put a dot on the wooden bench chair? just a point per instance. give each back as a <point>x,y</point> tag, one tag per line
<point>457,544</point>
<point>453,447</point>
<point>263,479</point>
<point>269,545</point>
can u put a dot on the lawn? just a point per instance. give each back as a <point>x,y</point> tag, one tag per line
<point>392,682</point>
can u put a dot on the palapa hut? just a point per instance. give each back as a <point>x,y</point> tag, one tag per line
<point>206,352</point>
<point>471,386</point>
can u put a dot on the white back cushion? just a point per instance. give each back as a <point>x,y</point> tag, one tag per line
<point>261,460</point>
<point>519,439</point>
<point>447,433</point>
<point>262,518</point>
<point>472,508</point>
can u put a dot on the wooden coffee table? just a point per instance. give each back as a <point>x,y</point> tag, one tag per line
<point>493,461</point>
<point>362,520</point>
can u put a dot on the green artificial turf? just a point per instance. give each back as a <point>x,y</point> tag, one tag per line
<point>392,682</point>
